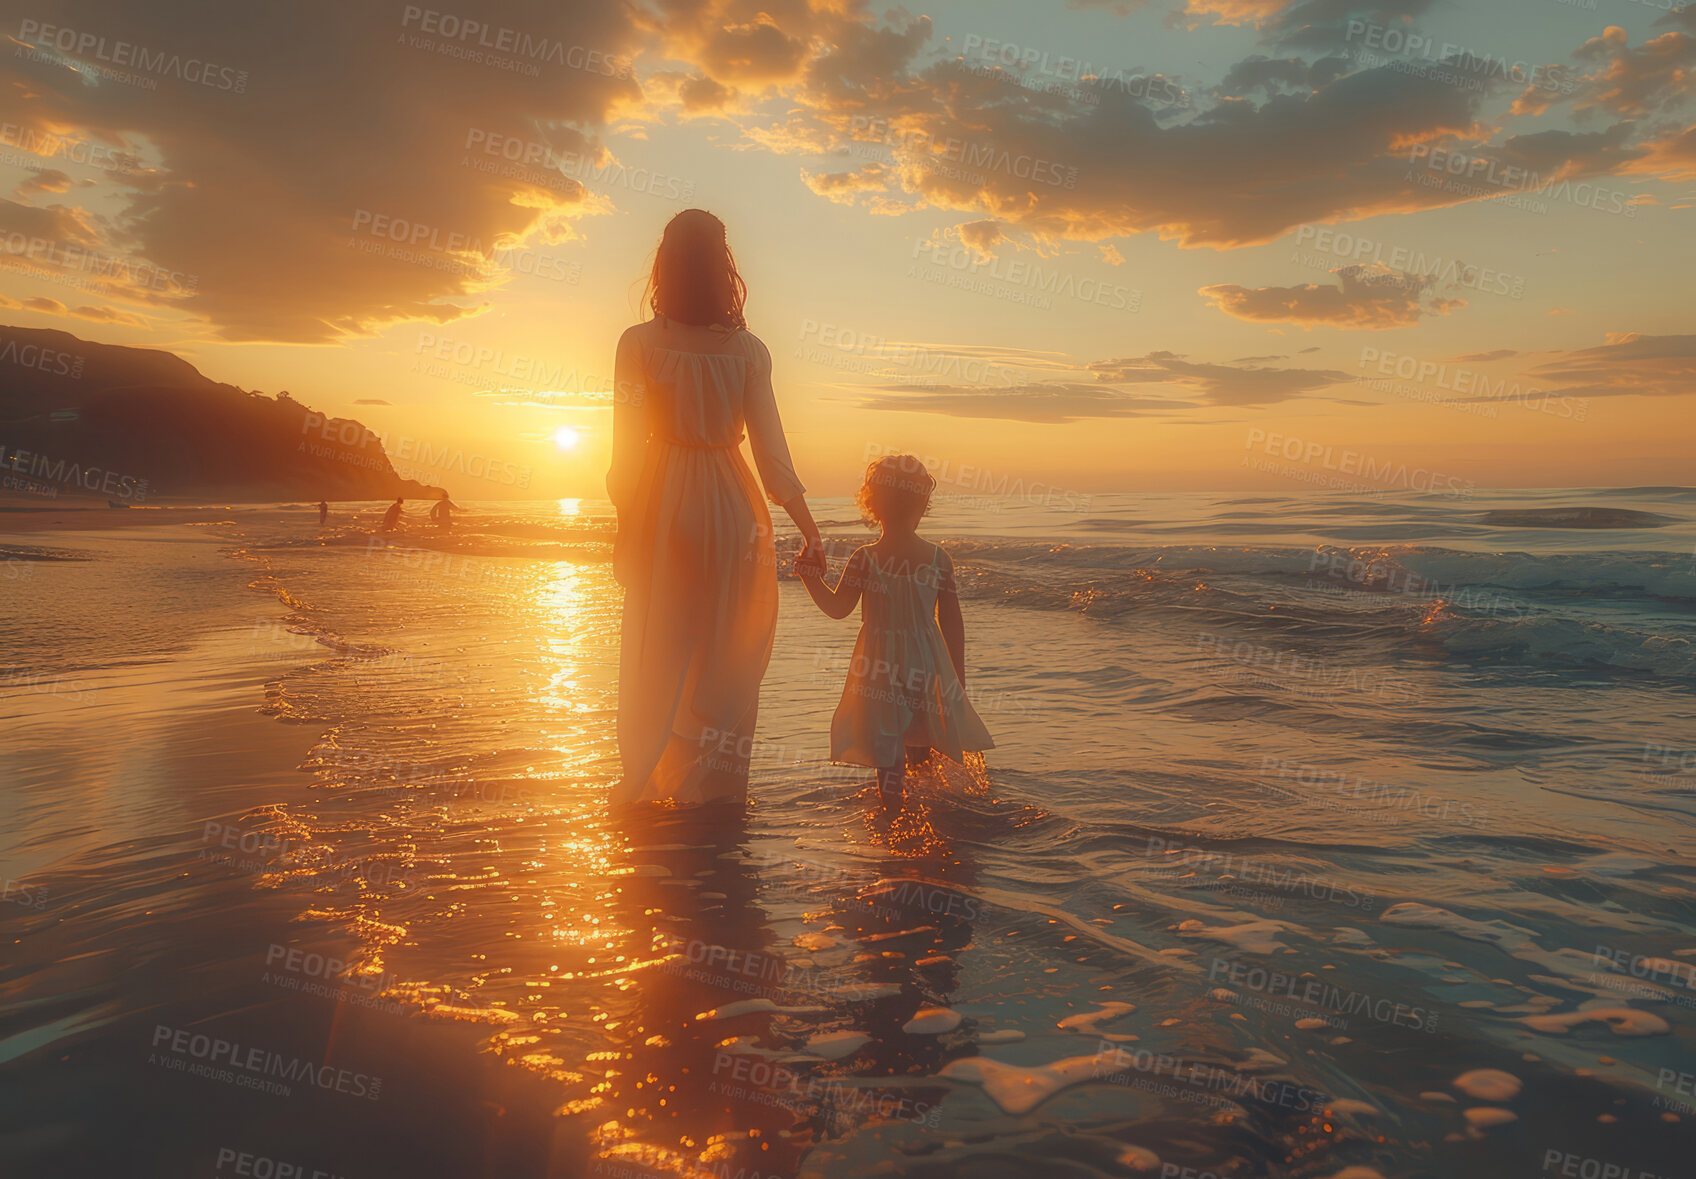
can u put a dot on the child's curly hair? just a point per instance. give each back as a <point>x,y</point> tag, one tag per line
<point>897,487</point>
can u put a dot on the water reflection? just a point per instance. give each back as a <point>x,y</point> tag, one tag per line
<point>693,1053</point>
<point>732,1048</point>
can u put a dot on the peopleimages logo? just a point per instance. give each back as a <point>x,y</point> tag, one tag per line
<point>50,146</point>
<point>1111,1058</point>
<point>1027,63</point>
<point>1348,461</point>
<point>67,473</point>
<point>1245,871</point>
<point>1471,382</point>
<point>1032,276</point>
<point>91,46</point>
<point>1407,43</point>
<point>259,1166</point>
<point>1413,263</point>
<point>1316,993</point>
<point>1485,172</point>
<point>457,251</point>
<point>470,32</point>
<point>249,1067</point>
<point>1370,792</point>
<point>986,156</point>
<point>508,155</point>
<point>47,360</point>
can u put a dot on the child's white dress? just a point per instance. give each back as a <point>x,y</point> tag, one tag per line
<point>901,687</point>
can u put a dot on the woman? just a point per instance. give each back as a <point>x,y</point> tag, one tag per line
<point>694,550</point>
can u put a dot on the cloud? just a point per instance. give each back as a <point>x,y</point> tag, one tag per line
<point>1106,158</point>
<point>1220,384</point>
<point>1003,392</point>
<point>263,198</point>
<point>371,401</point>
<point>1365,298</point>
<point>845,187</point>
<point>1683,17</point>
<point>982,236</point>
<point>1311,24</point>
<point>1273,75</point>
<point>50,181</point>
<point>36,303</point>
<point>1560,155</point>
<point>1045,402</point>
<point>30,230</point>
<point>703,94</point>
<point>1092,159</point>
<point>53,307</point>
<point>1633,82</point>
<point>1628,364</point>
<point>755,52</point>
<point>108,315</point>
<point>1234,12</point>
<point>1485,357</point>
<point>264,169</point>
<point>694,93</point>
<point>1671,157</point>
<point>1117,7</point>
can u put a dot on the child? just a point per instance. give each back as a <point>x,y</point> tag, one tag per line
<point>906,683</point>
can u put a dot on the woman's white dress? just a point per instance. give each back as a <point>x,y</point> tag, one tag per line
<point>695,555</point>
<point>902,689</point>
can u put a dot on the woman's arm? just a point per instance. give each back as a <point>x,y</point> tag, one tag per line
<point>629,421</point>
<point>803,517</point>
<point>948,615</point>
<point>771,448</point>
<point>838,602</point>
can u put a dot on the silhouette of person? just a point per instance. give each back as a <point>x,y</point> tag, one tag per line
<point>442,513</point>
<point>392,516</point>
<point>323,511</point>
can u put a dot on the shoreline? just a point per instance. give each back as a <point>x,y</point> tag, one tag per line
<point>28,521</point>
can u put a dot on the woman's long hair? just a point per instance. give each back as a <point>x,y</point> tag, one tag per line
<point>695,278</point>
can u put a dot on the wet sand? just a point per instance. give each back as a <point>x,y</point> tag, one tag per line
<point>153,925</point>
<point>32,514</point>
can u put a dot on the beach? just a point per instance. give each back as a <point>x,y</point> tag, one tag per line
<point>1320,832</point>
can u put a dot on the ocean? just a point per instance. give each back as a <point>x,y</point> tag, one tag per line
<point>1321,832</point>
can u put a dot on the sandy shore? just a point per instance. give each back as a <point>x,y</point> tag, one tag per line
<point>20,514</point>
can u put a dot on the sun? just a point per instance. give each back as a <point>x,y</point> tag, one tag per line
<point>566,438</point>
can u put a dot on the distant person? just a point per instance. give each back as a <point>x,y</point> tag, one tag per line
<point>906,693</point>
<point>442,513</point>
<point>392,516</point>
<point>323,512</point>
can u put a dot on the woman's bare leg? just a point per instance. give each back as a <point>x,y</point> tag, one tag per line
<point>892,784</point>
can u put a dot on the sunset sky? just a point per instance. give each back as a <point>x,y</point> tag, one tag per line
<point>1104,245</point>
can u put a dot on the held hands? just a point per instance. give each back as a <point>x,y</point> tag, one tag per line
<point>809,562</point>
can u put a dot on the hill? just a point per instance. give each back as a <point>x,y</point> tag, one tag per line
<point>80,417</point>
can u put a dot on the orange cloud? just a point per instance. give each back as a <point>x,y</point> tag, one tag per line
<point>1628,364</point>
<point>1365,298</point>
<point>53,307</point>
<point>266,169</point>
<point>1245,382</point>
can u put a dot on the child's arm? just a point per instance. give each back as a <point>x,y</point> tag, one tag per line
<point>838,602</point>
<point>948,614</point>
